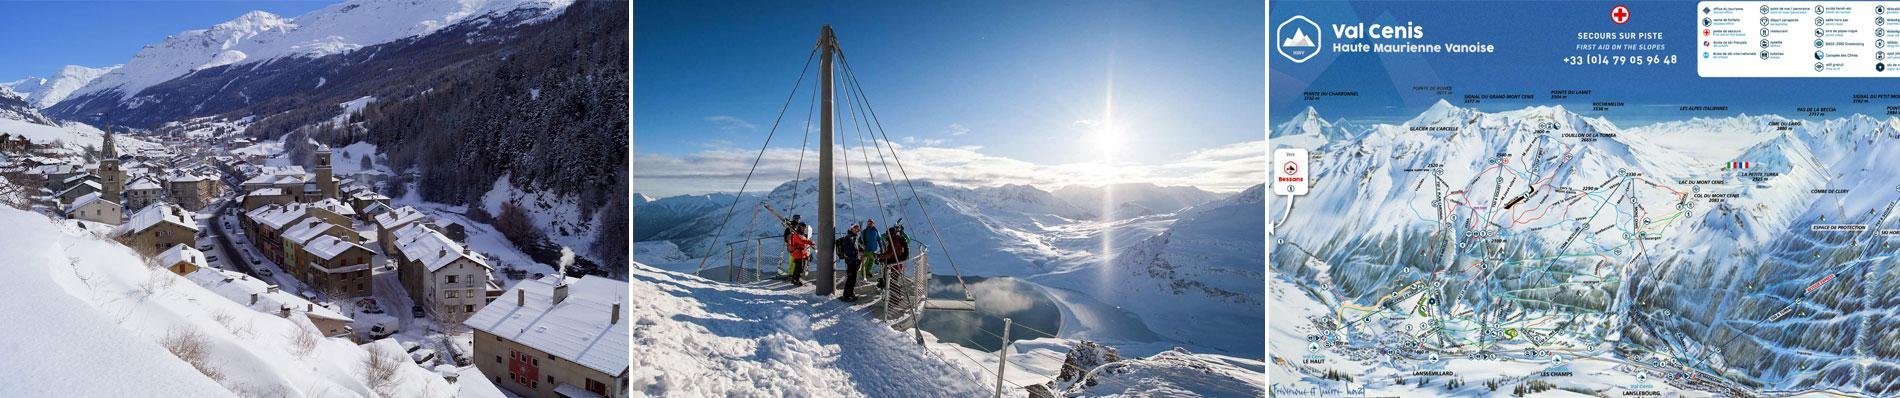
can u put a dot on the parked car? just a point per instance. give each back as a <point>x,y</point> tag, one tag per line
<point>369,305</point>
<point>206,246</point>
<point>461,358</point>
<point>211,259</point>
<point>415,310</point>
<point>423,355</point>
<point>262,271</point>
<point>255,262</point>
<point>410,346</point>
<point>380,331</point>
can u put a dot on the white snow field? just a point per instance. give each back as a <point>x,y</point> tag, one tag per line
<point>694,337</point>
<point>109,319</point>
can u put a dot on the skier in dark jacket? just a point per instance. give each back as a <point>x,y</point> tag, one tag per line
<point>849,251</point>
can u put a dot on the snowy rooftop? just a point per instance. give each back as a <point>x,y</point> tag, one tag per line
<point>271,179</point>
<point>181,254</point>
<point>266,192</point>
<point>280,170</point>
<point>76,177</point>
<point>277,215</point>
<point>160,213</point>
<point>88,184</point>
<point>188,178</point>
<point>419,242</point>
<point>328,247</point>
<point>82,201</point>
<point>142,183</point>
<point>334,206</point>
<point>368,195</point>
<point>309,228</point>
<point>398,217</point>
<point>238,287</point>
<point>576,329</point>
<point>57,169</point>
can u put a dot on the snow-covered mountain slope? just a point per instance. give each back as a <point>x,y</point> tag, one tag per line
<point>20,119</point>
<point>119,324</point>
<point>1134,199</point>
<point>13,106</point>
<point>43,92</point>
<point>260,36</point>
<point>653,216</point>
<point>988,230</point>
<point>1308,130</point>
<point>558,216</point>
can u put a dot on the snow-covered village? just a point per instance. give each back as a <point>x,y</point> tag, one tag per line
<point>946,203</point>
<point>274,205</point>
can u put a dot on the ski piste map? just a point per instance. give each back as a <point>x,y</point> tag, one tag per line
<point>1584,199</point>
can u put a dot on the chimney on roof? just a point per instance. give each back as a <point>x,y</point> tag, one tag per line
<point>441,252</point>
<point>560,291</point>
<point>614,317</point>
<point>308,307</point>
<point>253,298</point>
<point>521,297</point>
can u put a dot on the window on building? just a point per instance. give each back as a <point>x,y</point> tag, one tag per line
<point>452,293</point>
<point>451,278</point>
<point>468,308</point>
<point>596,387</point>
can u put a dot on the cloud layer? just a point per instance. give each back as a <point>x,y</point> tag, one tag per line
<point>1226,168</point>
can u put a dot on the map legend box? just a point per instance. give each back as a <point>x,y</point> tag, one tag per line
<point>1794,38</point>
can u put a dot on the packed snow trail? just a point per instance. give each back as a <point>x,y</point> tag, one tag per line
<point>695,337</point>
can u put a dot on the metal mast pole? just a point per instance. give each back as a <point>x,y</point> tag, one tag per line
<point>827,229</point>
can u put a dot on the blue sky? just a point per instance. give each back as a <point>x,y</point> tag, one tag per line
<point>1019,84</point>
<point>43,36</point>
<point>1532,40</point>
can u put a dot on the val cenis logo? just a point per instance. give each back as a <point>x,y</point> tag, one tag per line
<point>1293,40</point>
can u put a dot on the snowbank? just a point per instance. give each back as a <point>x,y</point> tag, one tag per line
<point>109,318</point>
<point>694,337</point>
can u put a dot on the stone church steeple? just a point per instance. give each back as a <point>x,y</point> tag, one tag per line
<point>111,178</point>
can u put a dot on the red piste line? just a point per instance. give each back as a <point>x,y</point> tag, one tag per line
<point>1817,284</point>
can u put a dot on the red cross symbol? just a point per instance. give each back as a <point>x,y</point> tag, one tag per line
<point>1619,14</point>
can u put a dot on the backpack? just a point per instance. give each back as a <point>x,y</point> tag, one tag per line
<point>838,244</point>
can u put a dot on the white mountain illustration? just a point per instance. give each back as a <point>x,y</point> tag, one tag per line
<point>1298,39</point>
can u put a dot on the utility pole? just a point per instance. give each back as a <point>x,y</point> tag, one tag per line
<point>827,229</point>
